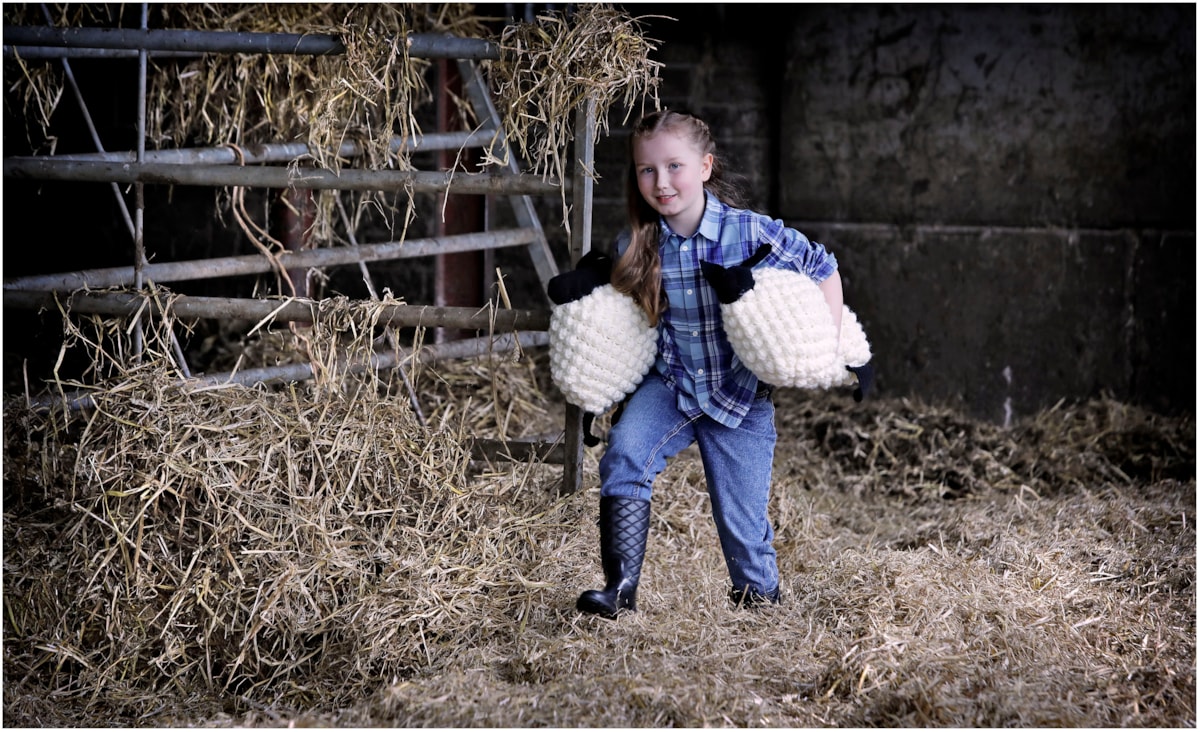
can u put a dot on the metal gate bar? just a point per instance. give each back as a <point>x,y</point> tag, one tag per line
<point>278,176</point>
<point>279,152</point>
<point>217,267</point>
<point>420,45</point>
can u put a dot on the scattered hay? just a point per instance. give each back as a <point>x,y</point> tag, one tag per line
<point>249,542</point>
<point>924,451</point>
<point>314,555</point>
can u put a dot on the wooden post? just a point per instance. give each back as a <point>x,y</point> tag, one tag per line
<point>580,244</point>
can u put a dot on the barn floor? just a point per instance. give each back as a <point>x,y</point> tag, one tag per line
<point>937,572</point>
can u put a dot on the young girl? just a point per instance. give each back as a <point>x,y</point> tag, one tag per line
<point>682,211</point>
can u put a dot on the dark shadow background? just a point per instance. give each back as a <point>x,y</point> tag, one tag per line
<point>1010,189</point>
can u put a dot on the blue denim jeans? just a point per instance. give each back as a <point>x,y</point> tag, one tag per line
<point>737,468</point>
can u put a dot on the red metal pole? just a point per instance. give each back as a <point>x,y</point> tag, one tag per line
<point>459,277</point>
<point>293,212</point>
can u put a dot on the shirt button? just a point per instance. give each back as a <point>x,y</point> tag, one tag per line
<point>699,372</point>
<point>695,333</point>
<point>683,249</point>
<point>689,292</point>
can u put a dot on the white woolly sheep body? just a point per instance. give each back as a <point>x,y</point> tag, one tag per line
<point>601,347</point>
<point>783,331</point>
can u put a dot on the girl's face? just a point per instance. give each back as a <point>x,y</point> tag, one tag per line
<point>670,174</point>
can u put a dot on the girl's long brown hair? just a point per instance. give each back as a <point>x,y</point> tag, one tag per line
<point>639,272</point>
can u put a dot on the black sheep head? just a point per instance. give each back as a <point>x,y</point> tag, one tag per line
<point>593,270</point>
<point>733,282</point>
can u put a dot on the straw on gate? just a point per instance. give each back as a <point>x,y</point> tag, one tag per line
<point>547,69</point>
<point>373,92</point>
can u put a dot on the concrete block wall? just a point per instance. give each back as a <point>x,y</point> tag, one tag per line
<point>1010,190</point>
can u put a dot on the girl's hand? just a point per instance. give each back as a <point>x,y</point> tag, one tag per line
<point>832,289</point>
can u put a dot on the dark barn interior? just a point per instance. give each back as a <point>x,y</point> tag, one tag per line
<point>1001,535</point>
<point>1011,188</point>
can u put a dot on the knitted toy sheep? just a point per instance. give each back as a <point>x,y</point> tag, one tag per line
<point>780,327</point>
<point>601,343</point>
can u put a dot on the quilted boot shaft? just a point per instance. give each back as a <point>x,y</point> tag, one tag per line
<point>624,525</point>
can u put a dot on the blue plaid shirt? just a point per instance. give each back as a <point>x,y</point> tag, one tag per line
<point>694,356</point>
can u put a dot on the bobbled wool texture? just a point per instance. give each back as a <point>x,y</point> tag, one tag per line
<point>601,347</point>
<point>782,330</point>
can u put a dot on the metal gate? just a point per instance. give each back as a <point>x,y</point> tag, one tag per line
<point>226,167</point>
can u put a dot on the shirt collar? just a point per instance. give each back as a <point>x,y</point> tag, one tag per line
<point>710,222</point>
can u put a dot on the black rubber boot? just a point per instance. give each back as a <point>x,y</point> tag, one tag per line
<point>752,598</point>
<point>624,524</point>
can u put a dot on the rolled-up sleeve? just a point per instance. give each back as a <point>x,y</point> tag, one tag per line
<point>792,250</point>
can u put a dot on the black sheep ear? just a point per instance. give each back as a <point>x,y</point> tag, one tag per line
<point>598,262</point>
<point>759,255</point>
<point>730,283</point>
<point>593,270</point>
